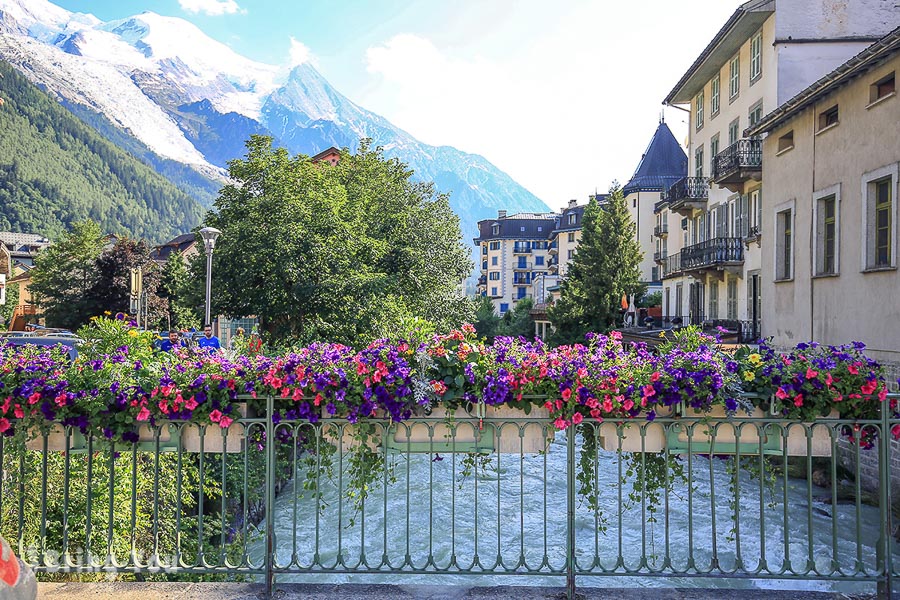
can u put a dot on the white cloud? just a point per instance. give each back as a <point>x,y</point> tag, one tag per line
<point>211,7</point>
<point>564,107</point>
<point>299,53</point>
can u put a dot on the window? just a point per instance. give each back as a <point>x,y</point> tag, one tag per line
<point>755,57</point>
<point>698,111</point>
<point>521,292</point>
<point>495,229</point>
<point>540,228</point>
<point>484,265</point>
<point>484,248</point>
<point>734,78</point>
<point>880,209</point>
<point>522,228</point>
<point>714,96</point>
<point>504,307</point>
<point>783,250</point>
<point>523,264</point>
<point>826,235</point>
<point>786,142</point>
<point>713,147</point>
<point>494,275</point>
<point>539,261</point>
<point>731,300</point>
<point>571,237</point>
<point>572,218</point>
<point>495,245</point>
<point>755,114</point>
<point>571,254</point>
<point>493,291</point>
<point>882,88</point>
<point>493,261</point>
<point>679,293</point>
<point>698,162</point>
<point>734,129</point>
<point>828,118</point>
<point>714,300</point>
<point>754,211</point>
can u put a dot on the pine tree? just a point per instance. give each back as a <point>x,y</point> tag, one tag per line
<point>606,266</point>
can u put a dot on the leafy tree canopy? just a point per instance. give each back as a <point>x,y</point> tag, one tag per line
<point>606,266</point>
<point>343,253</point>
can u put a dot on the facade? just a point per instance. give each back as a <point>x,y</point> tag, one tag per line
<point>663,164</point>
<point>20,248</point>
<point>711,258</point>
<point>514,249</point>
<point>565,237</point>
<point>185,244</point>
<point>832,166</point>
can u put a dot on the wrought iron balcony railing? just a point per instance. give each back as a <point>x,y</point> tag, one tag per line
<point>688,193</point>
<point>671,265</point>
<point>661,230</point>
<point>738,162</point>
<point>660,256</point>
<point>717,251</point>
<point>521,249</point>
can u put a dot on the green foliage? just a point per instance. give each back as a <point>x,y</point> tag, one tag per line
<point>647,300</point>
<point>55,170</point>
<point>486,322</point>
<point>343,253</point>
<point>606,266</point>
<point>64,275</point>
<point>78,278</point>
<point>176,286</point>
<point>12,300</point>
<point>514,323</point>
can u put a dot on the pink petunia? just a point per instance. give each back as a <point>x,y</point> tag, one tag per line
<point>577,418</point>
<point>225,422</point>
<point>215,416</point>
<point>655,376</point>
<point>190,403</point>
<point>810,374</point>
<point>143,414</point>
<point>798,400</point>
<point>869,386</point>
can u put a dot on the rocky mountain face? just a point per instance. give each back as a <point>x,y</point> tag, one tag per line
<point>188,99</point>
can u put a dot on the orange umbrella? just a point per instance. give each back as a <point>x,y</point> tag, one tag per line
<point>624,302</point>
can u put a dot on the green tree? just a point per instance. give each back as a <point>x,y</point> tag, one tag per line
<point>111,290</point>
<point>12,300</point>
<point>486,322</point>
<point>176,286</point>
<point>342,253</point>
<point>64,275</point>
<point>518,321</point>
<point>606,266</point>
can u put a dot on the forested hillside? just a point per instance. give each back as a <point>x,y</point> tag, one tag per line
<point>54,170</point>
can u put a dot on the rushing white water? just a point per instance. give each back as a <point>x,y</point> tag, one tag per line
<point>519,507</point>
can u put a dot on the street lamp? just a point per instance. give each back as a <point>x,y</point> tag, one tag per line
<point>209,235</point>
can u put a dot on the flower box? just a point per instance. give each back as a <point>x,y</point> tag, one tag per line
<point>502,429</point>
<point>78,443</point>
<point>633,436</point>
<point>212,438</point>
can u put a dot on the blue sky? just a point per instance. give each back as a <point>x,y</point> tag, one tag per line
<point>563,96</point>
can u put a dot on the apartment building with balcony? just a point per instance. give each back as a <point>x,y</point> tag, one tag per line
<point>766,52</point>
<point>513,251</point>
<point>832,179</point>
<point>662,164</point>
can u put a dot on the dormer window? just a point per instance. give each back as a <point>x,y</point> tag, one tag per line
<point>572,218</point>
<point>495,229</point>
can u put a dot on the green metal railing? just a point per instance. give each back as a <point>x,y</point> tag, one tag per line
<point>292,500</point>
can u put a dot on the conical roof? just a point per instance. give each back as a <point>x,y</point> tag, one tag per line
<point>663,163</point>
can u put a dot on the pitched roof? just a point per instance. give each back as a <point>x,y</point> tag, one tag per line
<point>663,163</point>
<point>869,58</point>
<point>179,244</point>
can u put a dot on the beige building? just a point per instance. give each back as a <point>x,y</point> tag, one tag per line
<point>711,255</point>
<point>832,166</point>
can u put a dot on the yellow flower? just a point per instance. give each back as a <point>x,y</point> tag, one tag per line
<point>749,375</point>
<point>132,332</point>
<point>754,359</point>
<point>107,313</point>
<point>662,334</point>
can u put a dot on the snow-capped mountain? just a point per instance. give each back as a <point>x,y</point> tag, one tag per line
<point>192,99</point>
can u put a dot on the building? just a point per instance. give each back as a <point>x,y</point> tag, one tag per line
<point>330,155</point>
<point>19,248</point>
<point>514,249</point>
<point>565,236</point>
<point>765,53</point>
<point>832,166</point>
<point>185,244</point>
<point>663,164</point>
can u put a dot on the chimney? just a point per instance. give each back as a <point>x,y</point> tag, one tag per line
<point>501,214</point>
<point>572,203</point>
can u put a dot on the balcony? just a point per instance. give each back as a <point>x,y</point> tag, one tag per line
<point>661,231</point>
<point>482,280</point>
<point>659,257</point>
<point>738,163</point>
<point>521,279</point>
<point>553,248</point>
<point>717,254</point>
<point>522,266</point>
<point>661,204</point>
<point>687,195</point>
<point>671,265</point>
<point>521,249</point>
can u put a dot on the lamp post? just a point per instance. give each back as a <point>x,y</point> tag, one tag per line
<point>209,235</point>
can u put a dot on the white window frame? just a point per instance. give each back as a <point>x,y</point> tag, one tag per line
<point>715,95</point>
<point>892,171</point>
<point>784,206</point>
<point>734,78</point>
<point>818,258</point>
<point>698,110</point>
<point>756,57</point>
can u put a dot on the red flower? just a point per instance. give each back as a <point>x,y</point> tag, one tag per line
<point>566,394</point>
<point>798,400</point>
<point>869,386</point>
<point>810,374</point>
<point>577,418</point>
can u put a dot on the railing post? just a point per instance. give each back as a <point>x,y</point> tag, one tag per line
<point>883,551</point>
<point>270,497</point>
<point>570,513</point>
